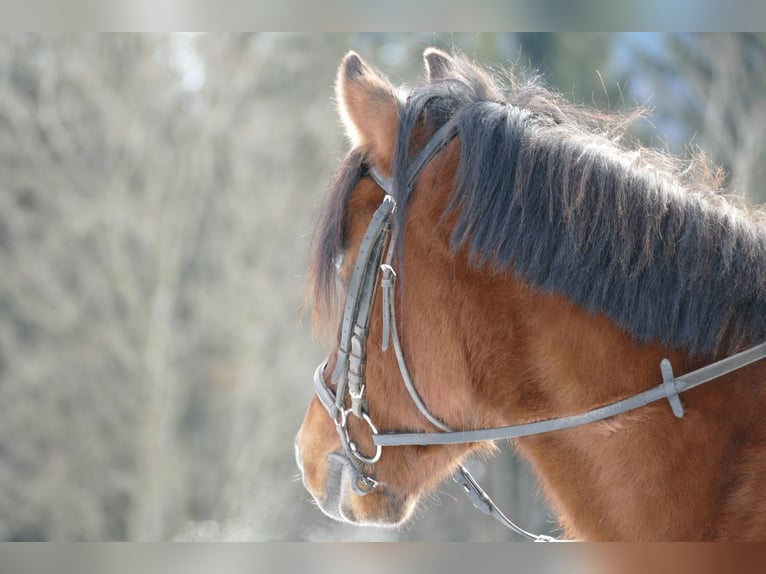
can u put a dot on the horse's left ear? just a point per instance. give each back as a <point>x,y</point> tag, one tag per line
<point>438,64</point>
<point>368,107</point>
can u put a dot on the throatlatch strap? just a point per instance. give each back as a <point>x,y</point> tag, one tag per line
<point>483,502</point>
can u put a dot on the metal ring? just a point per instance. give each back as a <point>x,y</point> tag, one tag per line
<point>341,424</point>
<point>352,446</point>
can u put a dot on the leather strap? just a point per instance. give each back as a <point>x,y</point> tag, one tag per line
<point>481,501</point>
<point>438,141</point>
<point>361,288</point>
<point>667,390</point>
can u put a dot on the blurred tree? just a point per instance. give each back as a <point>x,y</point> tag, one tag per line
<point>75,295</point>
<point>578,65</point>
<point>157,197</point>
<point>711,91</point>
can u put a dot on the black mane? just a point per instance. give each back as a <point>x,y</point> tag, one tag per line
<point>544,189</point>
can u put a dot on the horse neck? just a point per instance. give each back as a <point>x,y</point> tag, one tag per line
<point>641,475</point>
<point>516,355</point>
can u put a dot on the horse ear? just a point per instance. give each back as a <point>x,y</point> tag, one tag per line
<point>438,64</point>
<point>368,107</point>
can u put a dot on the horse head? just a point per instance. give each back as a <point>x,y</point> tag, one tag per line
<point>502,260</point>
<point>369,107</point>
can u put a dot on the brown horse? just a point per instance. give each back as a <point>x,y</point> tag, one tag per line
<point>544,270</point>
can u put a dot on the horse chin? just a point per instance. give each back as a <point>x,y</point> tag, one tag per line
<point>377,508</point>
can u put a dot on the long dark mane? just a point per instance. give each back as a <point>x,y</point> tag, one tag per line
<point>548,191</point>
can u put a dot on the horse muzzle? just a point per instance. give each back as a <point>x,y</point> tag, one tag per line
<point>333,489</point>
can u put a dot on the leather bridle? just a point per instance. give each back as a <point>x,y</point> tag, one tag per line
<point>375,259</point>
<point>348,376</point>
<point>349,372</point>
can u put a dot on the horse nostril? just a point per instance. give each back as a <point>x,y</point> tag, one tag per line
<point>298,460</point>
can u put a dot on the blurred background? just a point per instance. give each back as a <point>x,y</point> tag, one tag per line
<point>157,200</point>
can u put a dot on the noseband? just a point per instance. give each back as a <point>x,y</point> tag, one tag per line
<point>348,377</point>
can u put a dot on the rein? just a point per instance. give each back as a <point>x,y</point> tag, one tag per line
<point>348,376</point>
<point>669,389</point>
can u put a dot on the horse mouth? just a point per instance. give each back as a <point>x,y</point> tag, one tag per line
<point>377,508</point>
<point>336,491</point>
